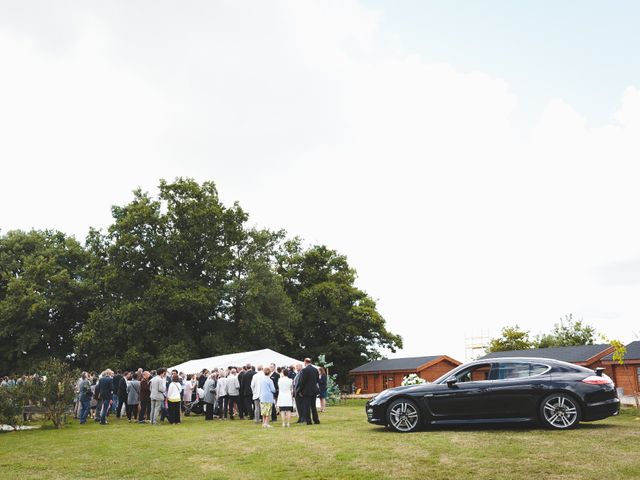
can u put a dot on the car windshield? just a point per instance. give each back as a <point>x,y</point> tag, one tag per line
<point>467,373</point>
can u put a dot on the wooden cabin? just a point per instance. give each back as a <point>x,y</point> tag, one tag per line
<point>378,375</point>
<point>627,375</point>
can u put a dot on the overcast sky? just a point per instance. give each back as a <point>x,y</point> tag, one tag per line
<point>478,162</point>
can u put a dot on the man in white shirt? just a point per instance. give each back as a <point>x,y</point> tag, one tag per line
<point>255,389</point>
<point>223,398</point>
<point>233,391</point>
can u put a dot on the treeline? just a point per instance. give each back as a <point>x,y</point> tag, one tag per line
<point>175,277</point>
<point>568,332</point>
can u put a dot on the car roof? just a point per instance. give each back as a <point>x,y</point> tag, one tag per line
<point>549,361</point>
<point>571,354</point>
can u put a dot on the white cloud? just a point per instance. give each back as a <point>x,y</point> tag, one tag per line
<point>455,218</point>
<point>629,113</point>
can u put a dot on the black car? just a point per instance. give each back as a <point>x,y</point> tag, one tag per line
<point>557,394</point>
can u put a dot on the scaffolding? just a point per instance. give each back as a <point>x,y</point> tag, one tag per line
<point>476,344</point>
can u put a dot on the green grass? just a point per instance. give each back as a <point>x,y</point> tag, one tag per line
<point>344,445</point>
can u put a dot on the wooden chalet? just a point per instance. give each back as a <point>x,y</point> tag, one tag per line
<point>378,375</point>
<point>627,375</point>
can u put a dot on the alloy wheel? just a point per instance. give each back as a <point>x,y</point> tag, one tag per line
<point>560,411</point>
<point>403,416</point>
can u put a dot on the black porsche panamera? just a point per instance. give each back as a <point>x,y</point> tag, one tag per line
<point>557,394</point>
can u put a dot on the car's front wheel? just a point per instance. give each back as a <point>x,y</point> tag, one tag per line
<point>403,415</point>
<point>560,411</point>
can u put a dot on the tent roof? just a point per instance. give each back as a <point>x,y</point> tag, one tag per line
<point>254,357</point>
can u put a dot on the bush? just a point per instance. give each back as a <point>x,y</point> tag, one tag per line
<point>55,392</point>
<point>333,390</point>
<point>12,402</point>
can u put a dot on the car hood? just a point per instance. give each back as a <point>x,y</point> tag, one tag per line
<point>412,388</point>
<point>391,392</point>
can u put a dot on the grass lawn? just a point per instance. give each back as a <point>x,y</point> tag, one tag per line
<point>344,445</point>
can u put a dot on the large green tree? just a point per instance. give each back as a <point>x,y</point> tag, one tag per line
<point>163,267</point>
<point>260,313</point>
<point>179,275</point>
<point>336,318</point>
<point>45,297</point>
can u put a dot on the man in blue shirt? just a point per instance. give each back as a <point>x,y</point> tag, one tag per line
<point>105,387</point>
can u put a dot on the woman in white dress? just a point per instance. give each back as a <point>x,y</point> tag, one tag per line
<point>187,393</point>
<point>285,397</point>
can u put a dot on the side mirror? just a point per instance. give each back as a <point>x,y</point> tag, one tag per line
<point>451,381</point>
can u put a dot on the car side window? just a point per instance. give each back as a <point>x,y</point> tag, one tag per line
<point>512,370</point>
<point>475,373</point>
<point>537,368</point>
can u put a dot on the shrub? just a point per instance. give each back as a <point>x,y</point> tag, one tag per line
<point>12,402</point>
<point>55,392</point>
<point>333,390</point>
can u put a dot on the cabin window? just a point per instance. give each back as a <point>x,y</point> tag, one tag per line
<point>365,382</point>
<point>638,375</point>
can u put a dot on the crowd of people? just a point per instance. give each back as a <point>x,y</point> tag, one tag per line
<point>12,381</point>
<point>246,392</point>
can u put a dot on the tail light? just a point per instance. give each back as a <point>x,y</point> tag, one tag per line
<point>598,380</point>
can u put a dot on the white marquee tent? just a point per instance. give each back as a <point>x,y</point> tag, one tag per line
<point>254,357</point>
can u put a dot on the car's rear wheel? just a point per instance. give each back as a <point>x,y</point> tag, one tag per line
<point>560,411</point>
<point>403,415</point>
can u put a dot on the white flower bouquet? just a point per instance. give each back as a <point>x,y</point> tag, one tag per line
<point>412,379</point>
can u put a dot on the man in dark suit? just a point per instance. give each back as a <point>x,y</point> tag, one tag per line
<point>308,387</point>
<point>297,394</point>
<point>105,387</point>
<point>120,388</point>
<point>241,371</point>
<point>275,376</point>
<point>145,397</point>
<point>203,377</point>
<point>115,405</point>
<point>247,394</point>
